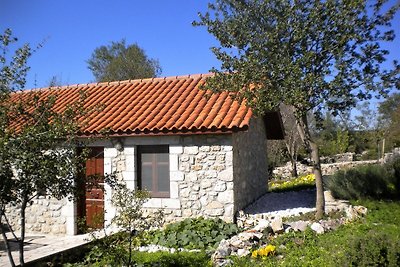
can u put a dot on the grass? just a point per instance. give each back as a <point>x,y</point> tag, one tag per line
<point>372,241</point>
<point>150,259</point>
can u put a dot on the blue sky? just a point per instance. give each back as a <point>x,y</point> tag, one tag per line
<point>72,29</point>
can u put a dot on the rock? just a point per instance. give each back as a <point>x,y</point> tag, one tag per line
<point>331,224</point>
<point>299,225</point>
<point>361,210</point>
<point>262,225</point>
<point>355,212</point>
<point>214,205</point>
<point>243,252</point>
<point>328,196</point>
<point>220,186</point>
<point>277,225</point>
<point>250,235</point>
<point>317,227</point>
<point>223,250</point>
<point>225,197</point>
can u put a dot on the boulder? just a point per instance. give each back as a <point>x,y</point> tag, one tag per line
<point>277,225</point>
<point>317,227</point>
<point>299,225</point>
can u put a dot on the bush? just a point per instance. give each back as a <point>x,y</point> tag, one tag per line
<point>370,181</point>
<point>394,168</point>
<point>296,184</point>
<point>372,249</point>
<point>194,233</point>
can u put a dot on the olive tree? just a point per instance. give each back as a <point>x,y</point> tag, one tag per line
<point>311,54</point>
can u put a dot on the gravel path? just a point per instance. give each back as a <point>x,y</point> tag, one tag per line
<point>284,204</point>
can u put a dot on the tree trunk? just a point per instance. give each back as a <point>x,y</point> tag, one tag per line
<point>6,243</point>
<point>312,148</point>
<point>22,238</point>
<point>294,166</point>
<point>291,148</point>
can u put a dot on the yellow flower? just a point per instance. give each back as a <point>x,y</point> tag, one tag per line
<point>263,252</point>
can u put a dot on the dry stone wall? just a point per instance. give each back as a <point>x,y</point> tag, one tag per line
<point>44,215</point>
<point>206,188</point>
<point>285,172</point>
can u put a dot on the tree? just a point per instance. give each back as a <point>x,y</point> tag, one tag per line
<point>312,55</point>
<point>37,144</point>
<point>118,62</point>
<point>389,115</point>
<point>333,135</point>
<point>54,81</point>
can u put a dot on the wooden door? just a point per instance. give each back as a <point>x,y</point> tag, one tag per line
<point>91,208</point>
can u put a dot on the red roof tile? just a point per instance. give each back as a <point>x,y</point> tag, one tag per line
<point>172,105</point>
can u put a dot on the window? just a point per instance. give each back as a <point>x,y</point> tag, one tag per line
<point>153,170</point>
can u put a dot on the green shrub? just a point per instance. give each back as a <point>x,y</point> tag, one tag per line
<point>370,181</point>
<point>394,168</point>
<point>194,233</point>
<point>372,249</point>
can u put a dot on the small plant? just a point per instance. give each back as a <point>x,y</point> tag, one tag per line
<point>263,252</point>
<point>194,233</point>
<point>130,218</point>
<point>299,183</point>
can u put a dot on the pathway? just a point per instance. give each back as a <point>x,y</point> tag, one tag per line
<point>40,246</point>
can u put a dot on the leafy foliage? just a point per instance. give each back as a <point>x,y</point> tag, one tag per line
<point>294,52</point>
<point>118,62</point>
<point>370,181</point>
<point>194,233</point>
<point>37,143</point>
<point>129,209</point>
<point>389,115</point>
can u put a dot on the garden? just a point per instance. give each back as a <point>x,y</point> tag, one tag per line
<point>371,240</point>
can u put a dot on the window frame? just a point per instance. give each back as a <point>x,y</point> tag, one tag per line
<point>153,149</point>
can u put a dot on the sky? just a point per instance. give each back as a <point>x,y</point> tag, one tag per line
<point>72,29</point>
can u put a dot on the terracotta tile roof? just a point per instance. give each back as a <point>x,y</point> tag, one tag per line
<point>171,105</point>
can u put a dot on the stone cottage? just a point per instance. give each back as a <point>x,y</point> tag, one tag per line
<point>196,155</point>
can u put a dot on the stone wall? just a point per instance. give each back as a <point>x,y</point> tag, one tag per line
<point>201,175</point>
<point>210,176</point>
<point>250,164</point>
<point>285,172</point>
<point>206,188</point>
<point>45,215</point>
